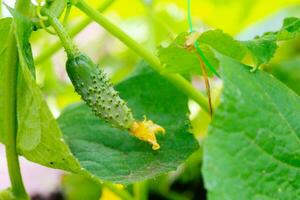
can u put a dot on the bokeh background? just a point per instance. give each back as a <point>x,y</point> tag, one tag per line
<point>152,23</point>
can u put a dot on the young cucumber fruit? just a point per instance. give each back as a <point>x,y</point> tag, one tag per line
<point>97,91</point>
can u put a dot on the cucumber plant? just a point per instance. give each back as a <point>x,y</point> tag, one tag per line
<point>92,139</point>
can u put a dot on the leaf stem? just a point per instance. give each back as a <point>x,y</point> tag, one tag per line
<point>140,190</point>
<point>154,62</point>
<point>74,30</point>
<point>10,118</point>
<point>207,85</point>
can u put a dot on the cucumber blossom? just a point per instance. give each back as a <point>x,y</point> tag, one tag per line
<point>97,91</point>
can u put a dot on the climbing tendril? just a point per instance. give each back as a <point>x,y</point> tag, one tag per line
<point>43,18</point>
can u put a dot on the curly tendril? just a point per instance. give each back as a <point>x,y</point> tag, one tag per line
<point>43,18</point>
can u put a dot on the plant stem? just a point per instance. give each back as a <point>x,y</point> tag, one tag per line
<point>140,190</point>
<point>121,193</point>
<point>10,118</point>
<point>74,30</point>
<point>66,40</point>
<point>154,62</point>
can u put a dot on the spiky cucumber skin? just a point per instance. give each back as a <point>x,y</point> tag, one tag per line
<point>92,84</point>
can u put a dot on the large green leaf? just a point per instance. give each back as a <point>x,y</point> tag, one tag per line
<point>39,138</point>
<point>253,149</point>
<point>115,155</point>
<point>5,26</point>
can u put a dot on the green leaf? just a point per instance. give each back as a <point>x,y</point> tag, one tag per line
<point>116,156</point>
<point>262,49</point>
<point>252,149</point>
<point>23,29</point>
<point>7,195</point>
<point>178,59</point>
<point>290,29</point>
<point>223,43</point>
<point>5,26</point>
<point>39,138</point>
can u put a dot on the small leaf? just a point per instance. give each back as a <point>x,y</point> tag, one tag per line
<point>262,49</point>
<point>223,43</point>
<point>178,59</point>
<point>252,150</point>
<point>116,156</point>
<point>290,29</point>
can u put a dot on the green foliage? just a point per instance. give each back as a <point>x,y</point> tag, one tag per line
<point>76,187</point>
<point>177,58</point>
<point>263,48</point>
<point>252,149</point>
<point>5,25</point>
<point>290,29</point>
<point>223,43</point>
<point>114,155</point>
<point>39,138</point>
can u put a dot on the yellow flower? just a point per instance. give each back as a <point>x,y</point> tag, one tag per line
<point>146,131</point>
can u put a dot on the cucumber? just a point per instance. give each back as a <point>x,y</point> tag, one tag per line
<point>97,91</point>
